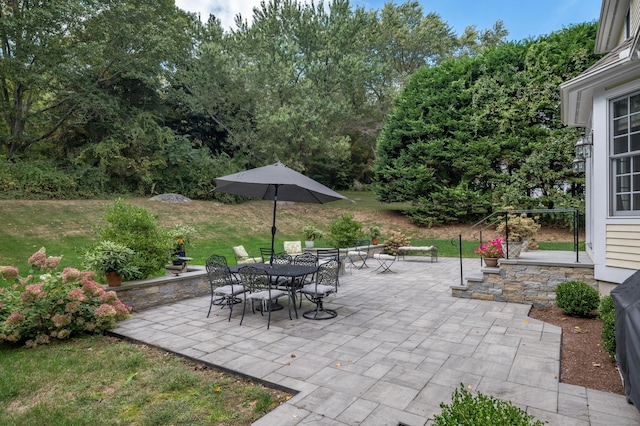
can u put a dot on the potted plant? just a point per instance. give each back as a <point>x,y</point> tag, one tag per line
<point>517,229</point>
<point>311,233</point>
<point>112,259</point>
<point>491,252</point>
<point>181,237</point>
<point>375,233</point>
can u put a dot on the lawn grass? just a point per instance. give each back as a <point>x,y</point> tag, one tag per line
<point>100,380</point>
<point>65,227</point>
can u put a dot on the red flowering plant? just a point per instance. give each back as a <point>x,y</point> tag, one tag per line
<point>47,304</point>
<point>491,249</point>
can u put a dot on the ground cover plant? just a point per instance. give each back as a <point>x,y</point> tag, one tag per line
<point>100,380</point>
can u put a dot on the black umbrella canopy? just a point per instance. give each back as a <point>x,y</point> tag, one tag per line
<point>276,182</point>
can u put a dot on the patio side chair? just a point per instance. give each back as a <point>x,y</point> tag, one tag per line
<point>325,255</point>
<point>325,284</point>
<point>293,248</point>
<point>385,261</point>
<point>259,289</point>
<point>225,290</point>
<point>265,253</point>
<point>242,257</point>
<point>360,253</point>
<point>281,258</point>
<point>306,259</point>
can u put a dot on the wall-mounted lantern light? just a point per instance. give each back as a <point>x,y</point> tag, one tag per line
<point>583,151</point>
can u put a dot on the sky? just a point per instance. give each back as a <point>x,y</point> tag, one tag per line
<point>523,19</point>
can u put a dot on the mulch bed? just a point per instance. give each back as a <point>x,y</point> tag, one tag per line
<point>584,362</point>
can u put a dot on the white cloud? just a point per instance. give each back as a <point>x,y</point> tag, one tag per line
<point>224,10</point>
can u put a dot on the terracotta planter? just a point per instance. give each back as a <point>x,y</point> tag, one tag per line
<point>374,241</point>
<point>491,262</point>
<point>113,279</point>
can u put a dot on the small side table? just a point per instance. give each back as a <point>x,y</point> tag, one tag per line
<point>178,269</point>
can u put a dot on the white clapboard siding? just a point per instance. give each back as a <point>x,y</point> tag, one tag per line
<point>623,246</point>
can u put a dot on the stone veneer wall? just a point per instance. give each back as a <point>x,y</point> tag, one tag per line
<point>523,283</point>
<point>145,294</point>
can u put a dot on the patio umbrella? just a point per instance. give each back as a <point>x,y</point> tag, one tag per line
<point>276,182</point>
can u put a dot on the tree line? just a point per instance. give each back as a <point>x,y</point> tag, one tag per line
<point>140,97</point>
<point>479,134</point>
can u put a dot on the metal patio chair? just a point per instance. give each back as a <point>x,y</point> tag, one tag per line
<point>325,284</point>
<point>225,290</point>
<point>259,289</point>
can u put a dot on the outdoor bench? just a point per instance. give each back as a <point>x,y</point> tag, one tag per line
<point>432,250</point>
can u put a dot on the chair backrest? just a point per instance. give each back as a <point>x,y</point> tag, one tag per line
<point>266,254</point>
<point>254,279</point>
<point>328,254</point>
<point>307,259</point>
<point>281,258</point>
<point>293,247</point>
<point>363,244</point>
<point>214,260</point>
<point>240,253</point>
<point>218,272</point>
<point>328,274</point>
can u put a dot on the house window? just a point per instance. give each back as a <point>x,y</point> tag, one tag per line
<point>625,154</point>
<point>627,24</point>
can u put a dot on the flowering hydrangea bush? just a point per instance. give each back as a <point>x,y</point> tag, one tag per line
<point>47,304</point>
<point>491,249</point>
<point>396,240</point>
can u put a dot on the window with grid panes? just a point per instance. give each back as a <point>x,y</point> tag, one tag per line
<point>625,155</point>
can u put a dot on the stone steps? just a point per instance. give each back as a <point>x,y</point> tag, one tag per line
<point>521,283</point>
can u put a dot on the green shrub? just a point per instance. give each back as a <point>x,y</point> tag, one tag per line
<point>577,298</point>
<point>139,229</point>
<point>481,410</point>
<point>607,314</point>
<point>311,233</point>
<point>35,179</point>
<point>345,231</point>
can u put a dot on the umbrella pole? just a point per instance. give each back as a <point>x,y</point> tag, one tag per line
<point>273,227</point>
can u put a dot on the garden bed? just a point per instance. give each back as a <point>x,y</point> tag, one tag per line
<point>584,362</point>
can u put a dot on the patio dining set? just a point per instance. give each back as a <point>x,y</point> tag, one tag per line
<point>261,284</point>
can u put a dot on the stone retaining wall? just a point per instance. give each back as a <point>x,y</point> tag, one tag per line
<point>523,283</point>
<point>145,294</point>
